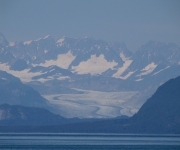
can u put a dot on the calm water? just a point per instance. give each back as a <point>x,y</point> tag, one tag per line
<point>88,142</point>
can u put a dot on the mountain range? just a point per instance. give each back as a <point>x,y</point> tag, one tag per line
<point>21,105</point>
<point>160,114</point>
<point>65,68</point>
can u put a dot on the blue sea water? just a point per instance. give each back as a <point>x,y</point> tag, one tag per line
<point>51,141</point>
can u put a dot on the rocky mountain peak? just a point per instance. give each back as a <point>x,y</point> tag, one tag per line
<point>120,48</point>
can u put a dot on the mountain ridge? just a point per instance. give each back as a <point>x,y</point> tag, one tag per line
<point>160,114</point>
<point>61,66</point>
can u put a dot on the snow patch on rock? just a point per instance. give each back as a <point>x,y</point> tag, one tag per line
<point>94,65</point>
<point>27,42</point>
<point>24,75</point>
<point>46,36</point>
<point>60,41</point>
<point>148,69</point>
<point>127,76</point>
<point>161,70</point>
<point>139,79</point>
<point>63,61</point>
<point>126,64</point>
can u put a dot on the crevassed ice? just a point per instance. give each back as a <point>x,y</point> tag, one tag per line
<point>94,104</point>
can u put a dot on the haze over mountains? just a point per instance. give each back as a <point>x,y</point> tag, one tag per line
<point>159,115</point>
<point>86,67</point>
<point>14,99</point>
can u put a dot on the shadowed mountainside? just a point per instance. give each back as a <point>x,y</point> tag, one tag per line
<point>160,114</point>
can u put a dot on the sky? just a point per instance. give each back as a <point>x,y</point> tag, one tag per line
<point>134,22</point>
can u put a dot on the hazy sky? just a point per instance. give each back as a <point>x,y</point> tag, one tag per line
<point>134,22</point>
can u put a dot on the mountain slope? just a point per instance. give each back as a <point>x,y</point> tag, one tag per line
<point>13,91</point>
<point>163,107</point>
<point>67,65</point>
<point>160,114</point>
<point>20,115</point>
<point>86,56</point>
<point>89,56</point>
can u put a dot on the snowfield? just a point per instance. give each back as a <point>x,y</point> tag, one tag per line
<point>27,76</point>
<point>127,63</point>
<point>24,75</point>
<point>94,104</point>
<point>94,65</point>
<point>63,61</point>
<point>148,69</point>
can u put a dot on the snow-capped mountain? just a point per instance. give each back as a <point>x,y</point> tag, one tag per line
<point>80,56</point>
<point>66,64</point>
<point>154,58</point>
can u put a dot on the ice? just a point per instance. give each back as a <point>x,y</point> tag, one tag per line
<point>4,66</point>
<point>161,70</point>
<point>24,75</point>
<point>63,77</point>
<point>60,41</point>
<point>93,104</point>
<point>46,36</point>
<point>123,57</point>
<point>38,39</point>
<point>139,79</point>
<point>27,42</point>
<point>127,63</point>
<point>3,78</point>
<point>95,65</point>
<point>42,80</point>
<point>148,69</point>
<point>127,76</point>
<point>51,70</point>
<point>63,61</point>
